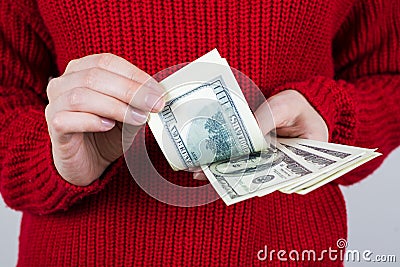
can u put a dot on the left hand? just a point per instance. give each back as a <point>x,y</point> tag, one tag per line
<point>291,115</point>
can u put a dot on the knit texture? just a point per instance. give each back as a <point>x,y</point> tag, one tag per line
<point>343,56</point>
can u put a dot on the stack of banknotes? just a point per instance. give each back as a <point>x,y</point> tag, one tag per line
<point>207,123</point>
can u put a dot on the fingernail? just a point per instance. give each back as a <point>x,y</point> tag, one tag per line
<point>136,117</point>
<point>107,123</point>
<point>198,176</point>
<point>154,102</point>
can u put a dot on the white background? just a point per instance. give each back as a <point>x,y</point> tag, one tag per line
<point>373,213</point>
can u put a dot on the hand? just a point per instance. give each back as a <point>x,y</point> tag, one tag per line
<point>86,107</point>
<point>292,116</point>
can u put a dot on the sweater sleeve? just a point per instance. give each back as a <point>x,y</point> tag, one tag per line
<point>361,104</point>
<point>28,178</point>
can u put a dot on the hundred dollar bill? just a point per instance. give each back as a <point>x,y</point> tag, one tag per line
<point>256,175</point>
<point>282,167</point>
<point>206,117</point>
<point>325,158</point>
<point>314,184</point>
<point>350,156</point>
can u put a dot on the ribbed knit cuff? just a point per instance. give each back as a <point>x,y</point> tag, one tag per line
<point>331,100</point>
<point>29,180</point>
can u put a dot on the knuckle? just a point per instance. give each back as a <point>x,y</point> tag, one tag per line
<point>295,97</point>
<point>46,112</point>
<point>75,98</point>
<point>132,88</point>
<point>52,84</point>
<point>104,59</point>
<point>285,107</point>
<point>57,123</point>
<point>115,112</point>
<point>279,104</point>
<point>71,64</point>
<point>294,93</point>
<point>134,73</point>
<point>90,77</point>
<point>281,110</point>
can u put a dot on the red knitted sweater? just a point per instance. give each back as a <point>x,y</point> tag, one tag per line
<point>344,56</point>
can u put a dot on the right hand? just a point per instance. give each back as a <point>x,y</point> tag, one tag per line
<point>86,107</point>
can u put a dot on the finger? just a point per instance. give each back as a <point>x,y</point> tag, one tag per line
<point>316,128</point>
<point>111,84</point>
<point>284,109</point>
<point>66,122</point>
<point>110,62</point>
<point>199,176</point>
<point>293,131</point>
<point>315,136</point>
<point>89,101</point>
